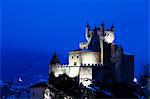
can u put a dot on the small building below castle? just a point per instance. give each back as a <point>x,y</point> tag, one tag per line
<point>37,90</point>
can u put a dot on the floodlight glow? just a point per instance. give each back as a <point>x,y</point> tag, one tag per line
<point>109,38</point>
<point>73,72</point>
<point>135,80</point>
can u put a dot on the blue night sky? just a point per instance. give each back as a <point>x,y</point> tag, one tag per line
<point>37,28</point>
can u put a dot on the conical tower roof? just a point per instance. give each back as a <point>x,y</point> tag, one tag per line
<point>54,59</point>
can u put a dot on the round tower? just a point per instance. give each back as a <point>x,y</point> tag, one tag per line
<point>87,29</point>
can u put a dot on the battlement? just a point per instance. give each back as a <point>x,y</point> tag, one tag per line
<point>91,65</point>
<point>59,66</point>
<point>66,66</point>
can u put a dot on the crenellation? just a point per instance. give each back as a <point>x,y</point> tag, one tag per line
<point>92,64</point>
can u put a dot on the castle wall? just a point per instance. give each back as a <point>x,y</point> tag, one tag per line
<point>90,58</point>
<point>73,71</point>
<point>75,58</point>
<point>102,74</point>
<point>88,66</point>
<point>85,76</point>
<point>128,63</point>
<point>119,66</point>
<point>98,73</point>
<point>88,74</point>
<point>60,69</point>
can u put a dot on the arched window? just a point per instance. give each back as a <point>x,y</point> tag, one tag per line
<point>75,63</point>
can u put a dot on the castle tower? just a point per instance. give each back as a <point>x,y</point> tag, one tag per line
<point>102,28</point>
<point>112,28</point>
<point>87,29</point>
<point>54,60</point>
<point>101,38</point>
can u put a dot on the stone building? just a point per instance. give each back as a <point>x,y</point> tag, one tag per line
<point>97,59</point>
<point>37,90</point>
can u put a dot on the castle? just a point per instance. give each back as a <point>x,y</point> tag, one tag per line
<point>97,59</point>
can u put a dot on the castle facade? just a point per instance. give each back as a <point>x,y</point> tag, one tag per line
<point>97,59</point>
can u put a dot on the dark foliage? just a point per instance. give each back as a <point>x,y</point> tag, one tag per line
<point>66,85</point>
<point>70,87</point>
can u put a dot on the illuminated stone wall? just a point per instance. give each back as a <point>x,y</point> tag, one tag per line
<point>90,58</point>
<point>60,69</point>
<point>74,58</point>
<point>85,76</point>
<point>73,71</point>
<point>87,66</point>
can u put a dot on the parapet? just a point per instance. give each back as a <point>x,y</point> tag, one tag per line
<point>91,65</point>
<point>59,66</point>
<point>66,66</point>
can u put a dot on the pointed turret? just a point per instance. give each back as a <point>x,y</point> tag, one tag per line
<point>87,27</point>
<point>102,26</point>
<point>54,60</point>
<point>112,28</point>
<point>95,29</point>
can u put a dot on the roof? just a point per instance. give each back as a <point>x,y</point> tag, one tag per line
<point>84,50</point>
<point>77,50</point>
<point>41,84</point>
<point>54,59</point>
<point>127,53</point>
